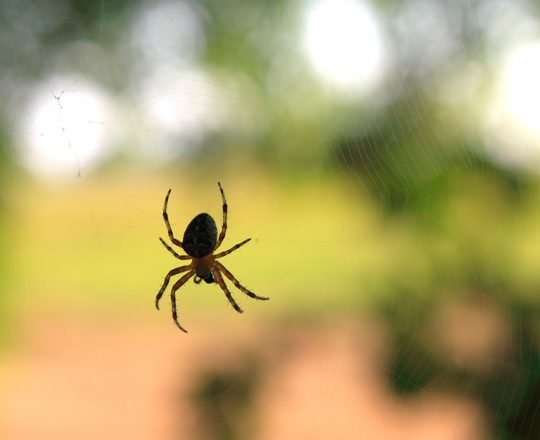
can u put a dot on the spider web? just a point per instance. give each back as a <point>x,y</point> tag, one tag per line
<point>390,199</point>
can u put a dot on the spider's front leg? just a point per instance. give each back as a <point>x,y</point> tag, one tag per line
<point>231,277</point>
<point>219,279</point>
<point>171,273</point>
<point>175,287</point>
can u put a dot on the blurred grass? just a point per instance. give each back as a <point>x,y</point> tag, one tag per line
<point>318,244</point>
<point>97,240</point>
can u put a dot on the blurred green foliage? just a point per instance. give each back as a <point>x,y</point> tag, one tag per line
<point>224,398</point>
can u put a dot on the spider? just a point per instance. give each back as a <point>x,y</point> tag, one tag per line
<point>199,243</point>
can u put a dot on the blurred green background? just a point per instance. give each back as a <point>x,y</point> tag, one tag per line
<point>384,157</point>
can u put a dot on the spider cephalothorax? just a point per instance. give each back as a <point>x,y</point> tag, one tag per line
<point>200,242</point>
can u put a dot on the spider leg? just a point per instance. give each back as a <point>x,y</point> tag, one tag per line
<point>225,210</point>
<point>171,273</point>
<point>175,287</point>
<point>231,277</point>
<point>167,223</point>
<point>228,251</point>
<point>172,251</point>
<point>219,279</point>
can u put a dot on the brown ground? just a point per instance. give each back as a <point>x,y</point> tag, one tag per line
<point>81,378</point>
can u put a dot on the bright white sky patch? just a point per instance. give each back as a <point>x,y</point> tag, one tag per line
<point>177,110</point>
<point>344,43</point>
<point>521,86</point>
<point>64,129</point>
<point>180,104</point>
<point>167,32</point>
<point>513,122</point>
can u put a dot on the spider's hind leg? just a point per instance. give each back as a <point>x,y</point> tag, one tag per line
<point>172,251</point>
<point>228,251</point>
<point>225,210</point>
<point>167,222</point>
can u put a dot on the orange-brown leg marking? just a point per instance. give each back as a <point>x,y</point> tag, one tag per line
<point>172,251</point>
<point>231,277</point>
<point>175,287</point>
<point>167,223</point>
<point>228,251</point>
<point>221,282</point>
<point>225,210</point>
<point>171,273</point>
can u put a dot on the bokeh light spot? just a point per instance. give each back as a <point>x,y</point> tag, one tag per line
<point>521,86</point>
<point>344,43</point>
<point>65,128</point>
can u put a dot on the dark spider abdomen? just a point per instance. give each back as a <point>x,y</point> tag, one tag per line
<point>201,236</point>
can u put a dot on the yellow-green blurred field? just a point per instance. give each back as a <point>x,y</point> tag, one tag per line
<point>95,242</point>
<point>317,244</point>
